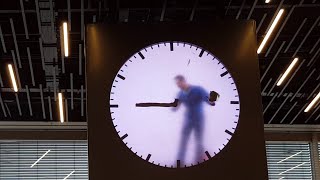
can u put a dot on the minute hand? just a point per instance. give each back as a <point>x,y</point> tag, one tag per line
<point>149,104</point>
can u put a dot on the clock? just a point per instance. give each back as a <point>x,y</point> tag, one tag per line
<point>174,104</point>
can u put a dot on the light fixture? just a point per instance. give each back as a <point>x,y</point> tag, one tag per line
<point>13,79</point>
<point>69,175</point>
<point>273,25</point>
<point>61,107</point>
<point>65,39</point>
<point>313,102</point>
<point>283,77</point>
<point>267,1</point>
<point>290,157</point>
<point>40,158</point>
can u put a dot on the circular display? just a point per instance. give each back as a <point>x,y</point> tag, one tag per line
<point>174,104</point>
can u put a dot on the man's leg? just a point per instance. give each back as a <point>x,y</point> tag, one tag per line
<point>186,130</point>
<point>198,132</point>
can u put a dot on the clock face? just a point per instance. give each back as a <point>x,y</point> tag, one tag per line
<point>174,104</point>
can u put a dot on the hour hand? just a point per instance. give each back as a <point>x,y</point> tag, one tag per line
<point>152,104</point>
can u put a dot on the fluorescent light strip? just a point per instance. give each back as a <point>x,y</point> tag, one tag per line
<point>289,157</point>
<point>65,39</point>
<point>283,77</point>
<point>61,108</point>
<point>313,102</point>
<point>267,1</point>
<point>40,158</point>
<point>69,175</point>
<point>292,168</point>
<point>13,79</point>
<point>273,25</point>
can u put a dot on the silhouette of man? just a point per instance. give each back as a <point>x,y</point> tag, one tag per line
<point>192,97</point>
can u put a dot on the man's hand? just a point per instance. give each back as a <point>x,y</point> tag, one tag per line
<point>214,96</point>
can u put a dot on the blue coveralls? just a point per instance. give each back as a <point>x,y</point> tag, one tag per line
<point>193,100</point>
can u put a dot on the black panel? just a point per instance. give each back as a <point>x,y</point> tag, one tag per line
<point>234,43</point>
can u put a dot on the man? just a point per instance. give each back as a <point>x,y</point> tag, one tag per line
<point>192,97</point>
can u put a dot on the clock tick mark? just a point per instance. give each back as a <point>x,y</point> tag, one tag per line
<point>223,74</point>
<point>121,77</point>
<point>228,132</point>
<point>201,53</point>
<point>148,157</point>
<point>208,155</point>
<point>141,55</point>
<point>171,46</point>
<point>124,136</point>
<point>178,163</point>
<point>234,102</point>
<point>114,106</point>
<point>188,62</point>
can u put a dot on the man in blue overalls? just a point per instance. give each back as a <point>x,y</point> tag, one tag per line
<point>192,97</point>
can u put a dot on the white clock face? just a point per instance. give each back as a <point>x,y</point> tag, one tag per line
<point>185,133</point>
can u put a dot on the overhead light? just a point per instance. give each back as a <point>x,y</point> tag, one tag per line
<point>61,107</point>
<point>13,79</point>
<point>40,158</point>
<point>69,175</point>
<point>283,77</point>
<point>273,25</point>
<point>292,168</point>
<point>267,1</point>
<point>65,39</point>
<point>313,102</point>
<point>290,157</point>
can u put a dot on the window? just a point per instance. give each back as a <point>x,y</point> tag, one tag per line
<point>289,160</point>
<point>43,160</point>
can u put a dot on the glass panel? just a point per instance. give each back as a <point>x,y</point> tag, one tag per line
<point>43,160</point>
<point>288,160</point>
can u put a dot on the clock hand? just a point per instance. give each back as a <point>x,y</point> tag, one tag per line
<point>150,104</point>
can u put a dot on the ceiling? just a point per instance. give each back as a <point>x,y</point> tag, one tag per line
<point>30,40</point>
